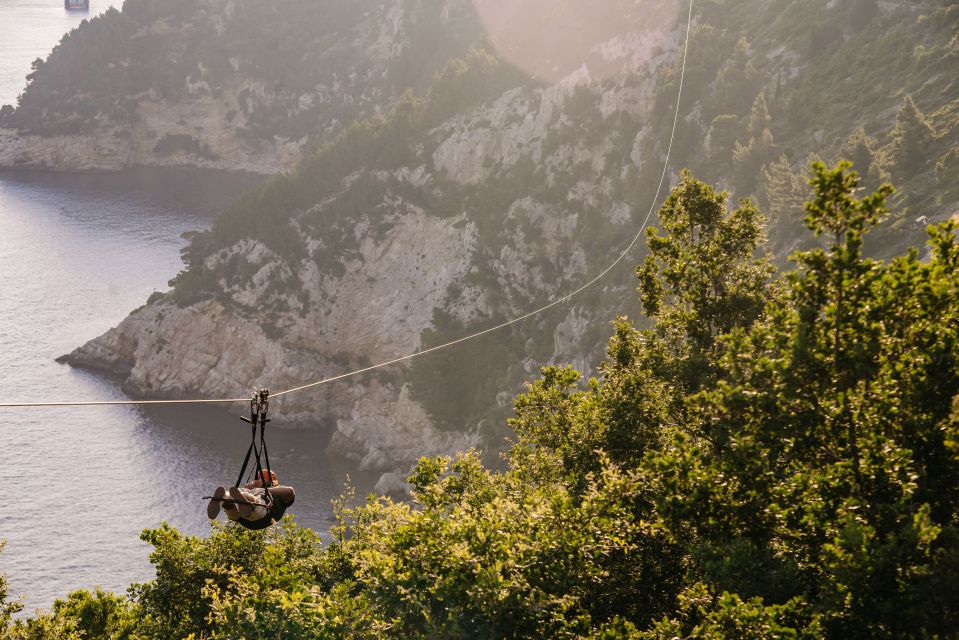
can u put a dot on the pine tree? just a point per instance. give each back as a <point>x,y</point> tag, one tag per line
<point>736,81</point>
<point>785,192</point>
<point>859,149</point>
<point>910,140</point>
<point>724,131</point>
<point>759,119</point>
<point>748,162</point>
<point>750,157</point>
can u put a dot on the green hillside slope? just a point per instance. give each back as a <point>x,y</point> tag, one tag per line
<point>193,83</point>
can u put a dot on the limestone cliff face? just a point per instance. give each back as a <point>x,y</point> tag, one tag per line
<point>376,308</point>
<point>208,142</point>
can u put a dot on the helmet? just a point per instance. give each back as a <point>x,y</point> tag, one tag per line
<point>269,478</point>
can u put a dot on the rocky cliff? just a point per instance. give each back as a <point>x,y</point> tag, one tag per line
<point>498,188</point>
<point>226,84</point>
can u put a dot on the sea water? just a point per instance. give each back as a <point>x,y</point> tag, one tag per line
<point>77,253</point>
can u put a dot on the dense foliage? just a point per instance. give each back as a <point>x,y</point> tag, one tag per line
<point>771,458</point>
<point>769,83</point>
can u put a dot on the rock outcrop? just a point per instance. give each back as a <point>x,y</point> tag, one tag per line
<point>377,309</point>
<point>187,84</point>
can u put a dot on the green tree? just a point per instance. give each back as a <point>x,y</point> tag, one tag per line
<point>189,570</point>
<point>7,609</point>
<point>947,174</point>
<point>724,131</point>
<point>759,118</point>
<point>702,277</point>
<point>785,192</point>
<point>911,138</point>
<point>80,616</point>
<point>736,83</point>
<point>821,452</point>
<point>750,157</point>
<point>35,68</point>
<point>860,150</point>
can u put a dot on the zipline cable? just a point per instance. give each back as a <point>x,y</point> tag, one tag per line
<point>103,403</point>
<point>445,345</point>
<point>558,301</point>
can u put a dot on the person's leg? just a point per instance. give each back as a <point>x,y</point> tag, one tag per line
<point>250,504</point>
<point>243,505</point>
<point>257,498</point>
<point>283,494</point>
<point>213,508</point>
<point>231,511</point>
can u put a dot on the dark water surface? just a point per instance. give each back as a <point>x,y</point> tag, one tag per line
<point>77,253</point>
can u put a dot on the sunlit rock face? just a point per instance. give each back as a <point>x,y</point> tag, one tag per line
<point>552,39</point>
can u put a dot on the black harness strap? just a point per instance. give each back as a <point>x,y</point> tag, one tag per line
<point>246,461</point>
<point>259,406</point>
<point>266,455</point>
<point>253,420</point>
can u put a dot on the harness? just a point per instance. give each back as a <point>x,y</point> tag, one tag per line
<point>275,511</point>
<point>259,407</point>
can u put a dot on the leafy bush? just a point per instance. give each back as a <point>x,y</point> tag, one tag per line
<point>82,615</point>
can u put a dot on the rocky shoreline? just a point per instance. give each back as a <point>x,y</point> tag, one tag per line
<point>208,349</point>
<point>115,150</point>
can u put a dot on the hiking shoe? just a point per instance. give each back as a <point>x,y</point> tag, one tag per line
<point>213,508</point>
<point>243,505</point>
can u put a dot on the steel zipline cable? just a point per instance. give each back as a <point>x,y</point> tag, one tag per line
<point>622,256</point>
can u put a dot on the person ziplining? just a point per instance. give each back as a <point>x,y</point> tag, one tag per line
<point>261,502</point>
<point>253,505</point>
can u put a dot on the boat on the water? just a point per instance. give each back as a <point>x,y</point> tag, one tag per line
<point>76,5</point>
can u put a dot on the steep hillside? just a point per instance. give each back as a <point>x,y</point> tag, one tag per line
<point>493,192</point>
<point>232,84</point>
<point>869,81</point>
